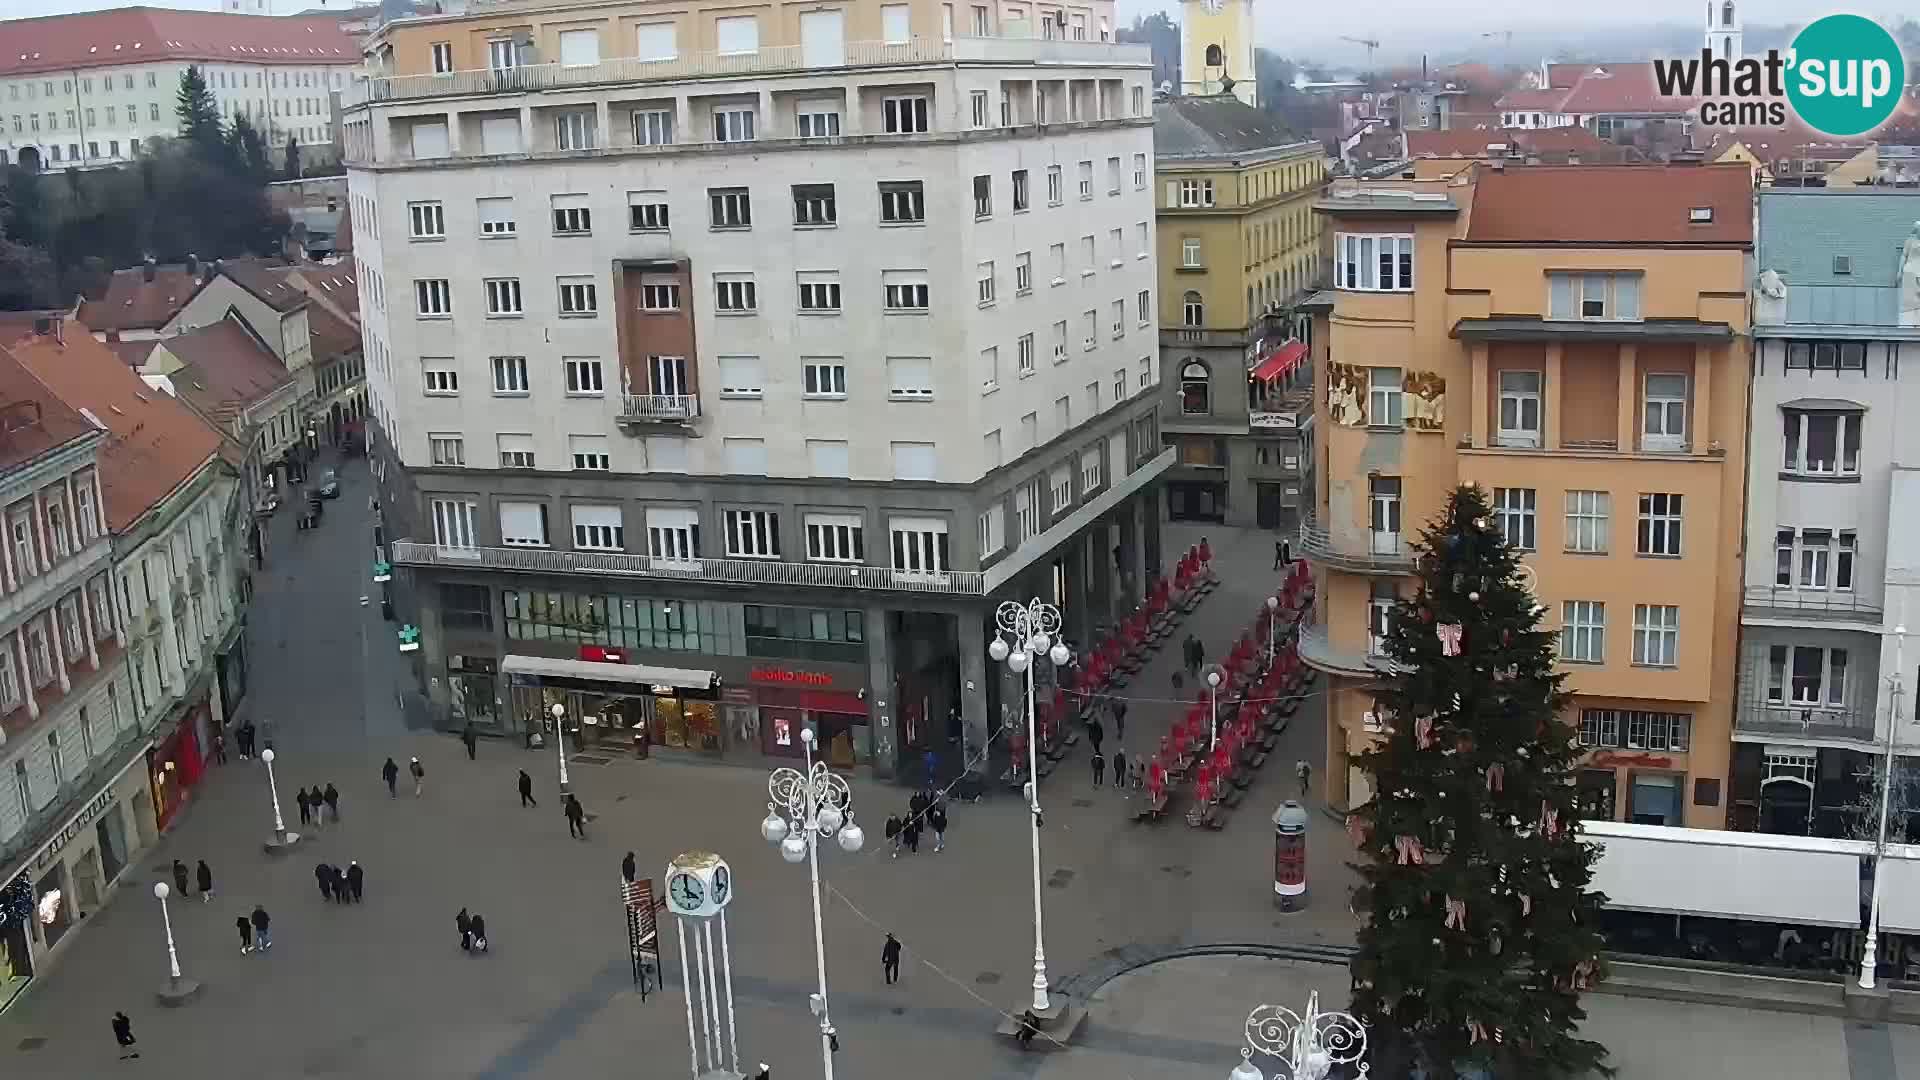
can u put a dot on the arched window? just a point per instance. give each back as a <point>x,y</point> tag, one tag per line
<point>1195,389</point>
<point>1726,13</point>
<point>1194,310</point>
<point>1214,59</point>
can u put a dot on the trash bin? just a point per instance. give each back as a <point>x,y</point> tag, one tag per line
<point>640,742</point>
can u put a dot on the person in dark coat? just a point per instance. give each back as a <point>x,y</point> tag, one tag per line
<point>480,934</point>
<point>180,879</point>
<point>246,934</point>
<point>937,820</point>
<point>1119,711</point>
<point>1120,767</point>
<point>627,869</point>
<point>1099,768</point>
<point>890,959</point>
<point>356,880</point>
<point>1096,732</point>
<point>910,835</point>
<point>332,797</point>
<point>205,881</point>
<point>245,736</point>
<point>391,774</point>
<point>917,806</point>
<point>893,834</point>
<point>419,773</point>
<point>262,927</point>
<point>325,880</point>
<point>123,1034</point>
<point>576,818</point>
<point>306,806</point>
<point>472,741</point>
<point>464,923</point>
<point>526,790</point>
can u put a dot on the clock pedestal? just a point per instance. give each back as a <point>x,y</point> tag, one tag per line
<point>1058,1024</point>
<point>699,887</point>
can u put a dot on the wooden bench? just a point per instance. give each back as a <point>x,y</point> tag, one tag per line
<point>1259,758</point>
<point>1152,808</point>
<point>1233,797</point>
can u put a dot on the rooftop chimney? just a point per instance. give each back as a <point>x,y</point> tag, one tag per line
<point>149,269</point>
<point>193,264</point>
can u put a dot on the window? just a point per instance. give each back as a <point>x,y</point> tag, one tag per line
<point>751,534</point>
<point>510,375</point>
<point>656,41</point>
<point>647,211</point>
<point>1514,510</point>
<point>914,461</point>
<point>523,524</point>
<point>1193,310</point>
<point>1023,353</point>
<point>503,296</point>
<point>574,130</point>
<point>835,538</point>
<point>1373,263</point>
<point>440,380</point>
<point>584,376</point>
<point>1519,408</point>
<point>1190,253</point>
<point>1656,635</point>
<point>1195,389</point>
<point>1143,307</point>
<point>673,533</point>
<point>904,116</point>
<point>571,215</point>
<point>599,528</point>
<point>1806,675</point>
<point>1583,632</point>
<point>442,59</point>
<point>652,127</point>
<point>578,297</point>
<point>85,519</point>
<point>983,283</point>
<point>1026,511</point>
<point>496,216</point>
<point>1085,171</point>
<point>919,545</point>
<point>1383,514</point>
<point>982,196</point>
<point>1194,193</point>
<point>1665,412</point>
<point>516,451</point>
<point>579,48</point>
<point>731,208</point>
<point>1139,160</point>
<point>744,457</point>
<point>734,294</point>
<point>446,449</point>
<point>1090,464</point>
<point>903,202</point>
<point>1588,521</point>
<point>1386,400</point>
<point>1119,308</point>
<point>819,292</point>
<point>1816,558</point>
<point>906,290</point>
<point>1023,273</point>
<point>1113,176</point>
<point>910,378</point>
<point>39,654</point>
<point>825,379</point>
<point>993,530</point>
<point>659,296</point>
<point>737,34</point>
<point>1609,297</point>
<point>1060,488</point>
<point>733,124</point>
<point>827,457</point>
<point>813,204</point>
<point>426,221</point>
<point>1055,187</point>
<point>1667,732</point>
<point>741,377</point>
<point>1659,524</point>
<point>11,696</point>
<point>1826,356</point>
<point>433,298</point>
<point>1822,442</point>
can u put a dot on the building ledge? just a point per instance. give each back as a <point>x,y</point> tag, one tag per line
<point>1361,555</point>
<point>1533,328</point>
<point>718,571</point>
<point>1763,606</point>
<point>1085,514</point>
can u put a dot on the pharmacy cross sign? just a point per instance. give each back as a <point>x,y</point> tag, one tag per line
<point>382,572</point>
<point>409,638</point>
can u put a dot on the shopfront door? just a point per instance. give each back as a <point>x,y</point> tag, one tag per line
<point>780,728</point>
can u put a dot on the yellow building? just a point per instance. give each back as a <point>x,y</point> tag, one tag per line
<point>1238,241</point>
<point>1216,49</point>
<point>1574,341</point>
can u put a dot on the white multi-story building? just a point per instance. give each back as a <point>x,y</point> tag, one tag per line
<point>90,88</point>
<point>1831,564</point>
<point>867,326</point>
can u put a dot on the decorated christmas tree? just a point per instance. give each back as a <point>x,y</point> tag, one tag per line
<point>1481,932</point>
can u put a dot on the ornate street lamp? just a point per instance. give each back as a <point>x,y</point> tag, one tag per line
<point>1309,1044</point>
<point>282,839</point>
<point>178,989</point>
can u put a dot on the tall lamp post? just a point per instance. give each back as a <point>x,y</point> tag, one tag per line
<point>1309,1044</point>
<point>805,807</point>
<point>178,990</point>
<point>1273,616</point>
<point>1213,708</point>
<point>1026,631</point>
<point>1869,958</point>
<point>560,743</point>
<point>282,839</point>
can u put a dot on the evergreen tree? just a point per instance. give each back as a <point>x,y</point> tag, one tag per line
<point>1481,932</point>
<point>247,149</point>
<point>198,113</point>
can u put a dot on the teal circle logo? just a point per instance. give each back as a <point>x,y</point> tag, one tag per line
<point>1845,75</point>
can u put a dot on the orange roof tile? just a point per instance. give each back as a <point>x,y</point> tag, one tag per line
<point>226,369</point>
<point>33,420</point>
<point>1621,88</point>
<point>1612,204</point>
<point>134,303</point>
<point>1455,143</point>
<point>141,35</point>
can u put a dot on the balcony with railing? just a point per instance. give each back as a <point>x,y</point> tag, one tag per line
<point>1357,549</point>
<point>674,409</point>
<point>1786,720</point>
<point>718,571</point>
<point>1317,648</point>
<point>1797,606</point>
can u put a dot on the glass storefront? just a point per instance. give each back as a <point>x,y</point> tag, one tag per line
<point>473,691</point>
<point>1656,799</point>
<point>52,906</point>
<point>715,628</point>
<point>1595,794</point>
<point>111,834</point>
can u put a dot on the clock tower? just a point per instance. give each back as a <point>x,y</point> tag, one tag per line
<point>1216,44</point>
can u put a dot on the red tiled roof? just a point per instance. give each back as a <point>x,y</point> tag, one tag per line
<point>132,353</point>
<point>226,369</point>
<point>267,281</point>
<point>1621,88</point>
<point>1617,204</point>
<point>1565,76</point>
<point>138,35</point>
<point>28,432</point>
<point>1564,140</point>
<point>1545,142</point>
<point>331,335</point>
<point>1454,144</point>
<point>134,303</point>
<point>154,444</point>
<point>1529,100</point>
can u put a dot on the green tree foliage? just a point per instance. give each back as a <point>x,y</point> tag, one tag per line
<point>291,170</point>
<point>246,149</point>
<point>1481,933</point>
<point>198,113</point>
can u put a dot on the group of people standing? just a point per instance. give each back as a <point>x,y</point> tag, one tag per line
<point>926,810</point>
<point>390,775</point>
<point>473,932</point>
<point>340,886</point>
<point>318,805</point>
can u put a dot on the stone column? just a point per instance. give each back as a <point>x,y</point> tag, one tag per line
<point>26,670</point>
<point>972,625</point>
<point>883,710</point>
<point>1627,396</point>
<point>86,626</point>
<point>56,633</point>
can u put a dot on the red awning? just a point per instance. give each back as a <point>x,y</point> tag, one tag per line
<point>1281,361</point>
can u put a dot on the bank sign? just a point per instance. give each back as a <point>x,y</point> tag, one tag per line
<point>1842,76</point>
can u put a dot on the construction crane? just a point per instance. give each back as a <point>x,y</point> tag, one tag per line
<point>1368,42</point>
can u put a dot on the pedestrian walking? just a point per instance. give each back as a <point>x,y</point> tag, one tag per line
<point>244,736</point>
<point>1096,732</point>
<point>356,880</point>
<point>205,874</point>
<point>1305,772</point>
<point>890,959</point>
<point>917,806</point>
<point>306,806</point>
<point>464,923</point>
<point>1120,767</point>
<point>479,934</point>
<point>262,928</point>
<point>627,869</point>
<point>220,747</point>
<point>472,740</point>
<point>1178,682</point>
<point>526,790</point>
<point>893,834</point>
<point>1279,553</point>
<point>246,934</point>
<point>1119,711</point>
<point>332,797</point>
<point>932,762</point>
<point>910,835</point>
<point>1029,1027</point>
<point>576,818</point>
<point>1099,768</point>
<point>324,880</point>
<point>180,879</point>
<point>937,818</point>
<point>419,775</point>
<point>123,1034</point>
<point>390,773</point>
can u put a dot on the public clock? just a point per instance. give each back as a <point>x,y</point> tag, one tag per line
<point>686,893</point>
<point>722,885</point>
<point>699,885</point>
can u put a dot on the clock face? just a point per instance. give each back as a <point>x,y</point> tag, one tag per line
<point>722,885</point>
<point>686,892</point>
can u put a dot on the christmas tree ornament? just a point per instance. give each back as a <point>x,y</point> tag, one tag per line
<point>1476,1031</point>
<point>1456,914</point>
<point>1356,829</point>
<point>1426,614</point>
<point>1526,904</point>
<point>1423,732</point>
<point>1474,596</point>
<point>1480,523</point>
<point>1450,634</point>
<point>1506,637</point>
<point>1497,779</point>
<point>1408,850</point>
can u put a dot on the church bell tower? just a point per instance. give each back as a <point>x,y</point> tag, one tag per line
<point>1216,48</point>
<point>1723,30</point>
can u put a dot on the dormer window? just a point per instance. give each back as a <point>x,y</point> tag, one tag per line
<point>1843,264</point>
<point>1701,215</point>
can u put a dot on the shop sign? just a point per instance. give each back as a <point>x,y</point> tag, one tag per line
<point>80,821</point>
<point>1613,758</point>
<point>602,654</point>
<point>788,677</point>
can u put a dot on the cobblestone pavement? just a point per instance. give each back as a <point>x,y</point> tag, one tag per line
<point>381,990</point>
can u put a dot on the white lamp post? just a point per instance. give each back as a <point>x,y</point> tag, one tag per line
<point>805,807</point>
<point>560,743</point>
<point>1309,1044</point>
<point>282,839</point>
<point>1273,616</point>
<point>1026,631</point>
<point>178,990</point>
<point>1869,958</point>
<point>1213,708</point>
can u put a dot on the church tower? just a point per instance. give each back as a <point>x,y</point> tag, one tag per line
<point>1216,44</point>
<point>1723,30</point>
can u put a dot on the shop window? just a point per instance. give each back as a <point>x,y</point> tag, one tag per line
<point>466,607</point>
<point>806,634</point>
